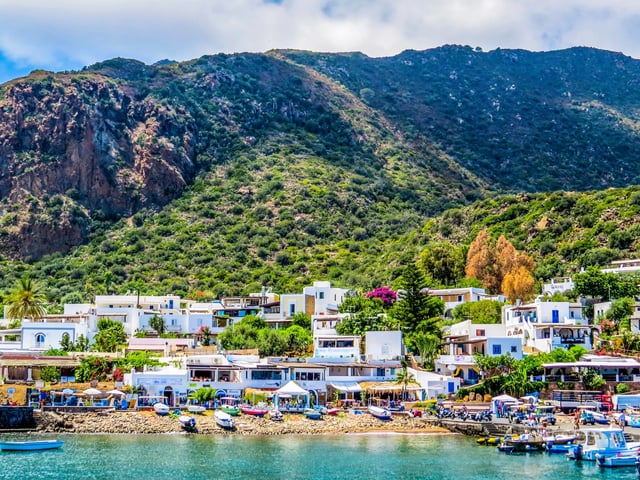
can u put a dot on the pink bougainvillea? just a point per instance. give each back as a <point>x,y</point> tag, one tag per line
<point>386,294</point>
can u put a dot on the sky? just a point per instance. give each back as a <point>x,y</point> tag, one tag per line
<point>70,34</point>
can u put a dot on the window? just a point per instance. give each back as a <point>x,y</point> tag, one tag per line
<point>292,309</point>
<point>321,295</point>
<point>514,349</point>
<point>497,349</point>
<point>480,332</point>
<point>40,338</point>
<point>459,298</point>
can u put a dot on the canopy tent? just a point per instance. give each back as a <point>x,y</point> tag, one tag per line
<point>295,395</point>
<point>498,403</point>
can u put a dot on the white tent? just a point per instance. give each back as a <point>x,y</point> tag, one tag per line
<point>502,400</point>
<point>298,396</point>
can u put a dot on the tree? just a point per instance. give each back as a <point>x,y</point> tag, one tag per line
<point>110,336</point>
<point>428,346</point>
<point>482,262</point>
<point>385,294</point>
<point>620,313</point>
<point>204,333</point>
<point>519,284</point>
<point>302,320</point>
<point>404,378</point>
<point>157,323</point>
<point>365,314</point>
<point>50,374</point>
<point>26,300</point>
<point>415,309</point>
<point>443,263</point>
<point>482,312</point>
<point>592,380</point>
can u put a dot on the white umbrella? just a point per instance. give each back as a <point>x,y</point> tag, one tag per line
<point>116,392</point>
<point>92,392</point>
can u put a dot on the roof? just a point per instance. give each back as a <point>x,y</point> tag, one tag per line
<point>388,386</point>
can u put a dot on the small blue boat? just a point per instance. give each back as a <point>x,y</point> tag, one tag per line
<point>312,414</point>
<point>30,445</point>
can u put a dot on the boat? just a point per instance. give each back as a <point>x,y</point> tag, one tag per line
<point>525,443</point>
<point>160,408</point>
<point>30,445</point>
<point>194,408</point>
<point>224,420</point>
<point>333,411</point>
<point>253,410</point>
<point>619,460</point>
<point>313,414</point>
<point>559,448</point>
<point>230,405</point>
<point>560,439</point>
<point>493,441</point>
<point>379,412</point>
<point>188,423</point>
<point>607,442</point>
<point>276,415</point>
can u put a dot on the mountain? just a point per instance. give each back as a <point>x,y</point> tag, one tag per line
<point>236,171</point>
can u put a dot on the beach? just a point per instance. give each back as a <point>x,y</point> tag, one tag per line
<point>147,422</point>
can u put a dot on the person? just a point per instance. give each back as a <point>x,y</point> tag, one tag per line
<point>576,419</point>
<point>622,420</point>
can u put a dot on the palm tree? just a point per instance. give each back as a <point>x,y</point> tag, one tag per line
<point>404,378</point>
<point>26,300</point>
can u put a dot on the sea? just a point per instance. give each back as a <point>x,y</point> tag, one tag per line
<point>351,456</point>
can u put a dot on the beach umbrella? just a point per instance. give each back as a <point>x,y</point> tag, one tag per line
<point>68,391</point>
<point>92,392</point>
<point>116,392</point>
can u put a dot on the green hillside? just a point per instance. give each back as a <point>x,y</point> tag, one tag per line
<point>231,172</point>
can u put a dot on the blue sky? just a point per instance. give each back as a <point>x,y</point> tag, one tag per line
<point>69,34</point>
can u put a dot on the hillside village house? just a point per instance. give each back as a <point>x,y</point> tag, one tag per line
<point>452,297</point>
<point>545,326</point>
<point>464,339</point>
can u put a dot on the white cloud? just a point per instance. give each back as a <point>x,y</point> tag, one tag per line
<point>72,33</point>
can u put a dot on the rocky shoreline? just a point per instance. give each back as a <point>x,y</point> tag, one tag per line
<point>113,422</point>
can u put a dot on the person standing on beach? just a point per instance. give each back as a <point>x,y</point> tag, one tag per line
<point>576,419</point>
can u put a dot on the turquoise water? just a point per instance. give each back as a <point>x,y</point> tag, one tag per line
<point>196,457</point>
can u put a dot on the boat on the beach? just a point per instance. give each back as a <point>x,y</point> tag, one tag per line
<point>379,412</point>
<point>312,414</point>
<point>230,405</point>
<point>224,420</point>
<point>254,410</point>
<point>188,423</point>
<point>333,411</point>
<point>276,415</point>
<point>195,408</point>
<point>160,408</point>
<point>30,445</point>
<point>606,442</point>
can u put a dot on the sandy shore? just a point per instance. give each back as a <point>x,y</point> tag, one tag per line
<point>149,422</point>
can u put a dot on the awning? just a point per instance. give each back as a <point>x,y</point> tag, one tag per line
<point>346,386</point>
<point>389,387</point>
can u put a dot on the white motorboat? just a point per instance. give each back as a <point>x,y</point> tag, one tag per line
<point>379,412</point>
<point>160,408</point>
<point>224,420</point>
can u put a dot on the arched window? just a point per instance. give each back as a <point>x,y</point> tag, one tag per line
<point>40,338</point>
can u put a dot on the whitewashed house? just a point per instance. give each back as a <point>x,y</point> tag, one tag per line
<point>545,326</point>
<point>452,297</point>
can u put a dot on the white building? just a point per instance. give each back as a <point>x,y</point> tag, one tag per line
<point>382,346</point>
<point>558,285</point>
<point>545,326</point>
<point>464,339</point>
<point>452,297</point>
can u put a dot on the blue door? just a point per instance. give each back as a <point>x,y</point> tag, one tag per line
<point>555,316</point>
